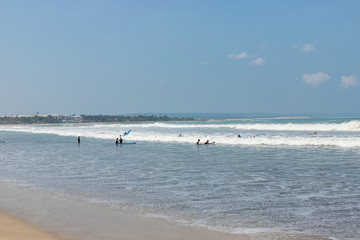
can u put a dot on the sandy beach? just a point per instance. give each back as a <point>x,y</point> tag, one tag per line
<point>15,229</point>
<point>26,214</point>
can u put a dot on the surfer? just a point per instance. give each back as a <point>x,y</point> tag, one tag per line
<point>117,141</point>
<point>124,134</point>
<point>79,139</point>
<point>239,136</point>
<point>180,135</point>
<point>207,142</point>
<point>198,142</point>
<point>120,140</point>
<point>314,133</point>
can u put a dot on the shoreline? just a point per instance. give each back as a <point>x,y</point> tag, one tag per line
<point>54,218</point>
<point>15,229</point>
<point>60,219</point>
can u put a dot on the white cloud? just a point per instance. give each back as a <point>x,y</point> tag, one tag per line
<point>308,48</point>
<point>348,81</point>
<point>257,62</point>
<point>240,55</point>
<point>315,79</point>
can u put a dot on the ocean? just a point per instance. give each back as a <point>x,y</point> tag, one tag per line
<point>278,177</point>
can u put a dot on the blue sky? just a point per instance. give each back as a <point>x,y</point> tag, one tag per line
<point>119,57</point>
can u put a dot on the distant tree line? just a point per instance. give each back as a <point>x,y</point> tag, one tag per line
<point>49,119</point>
<point>29,120</point>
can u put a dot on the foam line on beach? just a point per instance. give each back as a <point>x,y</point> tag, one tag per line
<point>74,220</point>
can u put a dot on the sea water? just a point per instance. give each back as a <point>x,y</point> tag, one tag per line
<point>277,177</point>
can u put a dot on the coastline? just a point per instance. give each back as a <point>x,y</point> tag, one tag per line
<point>15,229</point>
<point>42,216</point>
<point>93,123</point>
<point>140,122</point>
<point>54,218</point>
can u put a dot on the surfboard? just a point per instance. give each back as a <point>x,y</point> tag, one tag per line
<point>127,133</point>
<point>128,143</point>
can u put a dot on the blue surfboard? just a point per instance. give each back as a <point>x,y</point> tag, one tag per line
<point>128,143</point>
<point>127,133</point>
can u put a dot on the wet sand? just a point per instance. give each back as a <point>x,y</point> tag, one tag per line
<point>15,229</point>
<point>35,215</point>
<point>41,216</point>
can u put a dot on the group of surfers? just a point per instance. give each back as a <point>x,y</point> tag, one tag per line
<point>239,136</point>
<point>119,139</point>
<point>198,141</point>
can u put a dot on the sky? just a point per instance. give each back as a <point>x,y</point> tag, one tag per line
<point>179,56</point>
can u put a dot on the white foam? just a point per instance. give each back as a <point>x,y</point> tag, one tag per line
<point>344,135</point>
<point>353,125</point>
<point>251,231</point>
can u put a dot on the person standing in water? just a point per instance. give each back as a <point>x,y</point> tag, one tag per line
<point>198,142</point>
<point>117,141</point>
<point>78,139</point>
<point>120,140</point>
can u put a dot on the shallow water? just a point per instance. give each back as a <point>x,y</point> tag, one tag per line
<point>236,187</point>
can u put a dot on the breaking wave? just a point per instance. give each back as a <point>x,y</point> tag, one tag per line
<point>345,134</point>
